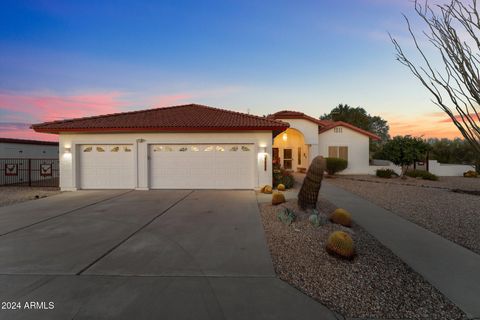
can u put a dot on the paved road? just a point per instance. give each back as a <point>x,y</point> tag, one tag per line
<point>165,254</point>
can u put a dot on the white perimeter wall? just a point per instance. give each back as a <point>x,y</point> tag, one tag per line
<point>24,151</point>
<point>358,148</point>
<point>69,161</point>
<point>448,170</point>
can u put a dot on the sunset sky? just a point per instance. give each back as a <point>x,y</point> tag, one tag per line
<point>64,59</point>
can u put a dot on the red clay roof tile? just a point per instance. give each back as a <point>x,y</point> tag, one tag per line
<point>191,117</point>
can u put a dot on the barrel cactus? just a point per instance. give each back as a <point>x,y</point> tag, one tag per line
<point>266,189</point>
<point>278,198</point>
<point>342,217</point>
<point>340,244</point>
<point>470,174</point>
<point>281,187</point>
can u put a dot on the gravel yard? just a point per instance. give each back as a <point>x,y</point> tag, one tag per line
<point>11,195</point>
<point>454,216</point>
<point>375,284</point>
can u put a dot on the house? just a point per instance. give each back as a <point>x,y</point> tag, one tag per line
<point>308,137</point>
<point>194,146</point>
<point>24,149</point>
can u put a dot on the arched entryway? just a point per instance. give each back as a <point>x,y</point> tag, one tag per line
<point>290,150</point>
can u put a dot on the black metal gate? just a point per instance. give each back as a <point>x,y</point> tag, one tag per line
<point>29,172</point>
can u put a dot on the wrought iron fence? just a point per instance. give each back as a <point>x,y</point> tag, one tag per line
<point>29,172</point>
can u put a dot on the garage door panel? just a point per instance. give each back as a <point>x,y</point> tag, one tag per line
<point>106,167</point>
<point>202,166</point>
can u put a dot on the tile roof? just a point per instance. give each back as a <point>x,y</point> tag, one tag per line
<point>323,125</point>
<point>288,114</point>
<point>191,117</point>
<point>350,126</point>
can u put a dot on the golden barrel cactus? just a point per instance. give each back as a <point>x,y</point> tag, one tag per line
<point>342,217</point>
<point>339,243</point>
<point>281,187</point>
<point>278,198</point>
<point>266,189</point>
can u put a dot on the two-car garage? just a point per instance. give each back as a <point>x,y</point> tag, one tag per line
<point>170,166</point>
<point>180,147</point>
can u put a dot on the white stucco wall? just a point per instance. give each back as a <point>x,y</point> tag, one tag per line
<point>358,148</point>
<point>69,162</point>
<point>25,151</point>
<point>448,170</point>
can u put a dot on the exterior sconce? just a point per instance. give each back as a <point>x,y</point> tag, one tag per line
<point>67,150</point>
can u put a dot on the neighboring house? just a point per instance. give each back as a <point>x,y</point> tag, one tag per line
<point>27,149</point>
<point>308,137</point>
<point>192,146</point>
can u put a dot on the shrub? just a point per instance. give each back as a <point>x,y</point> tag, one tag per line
<point>386,173</point>
<point>281,176</point>
<point>287,216</point>
<point>340,244</point>
<point>278,198</point>
<point>470,174</point>
<point>342,217</point>
<point>425,175</point>
<point>335,165</point>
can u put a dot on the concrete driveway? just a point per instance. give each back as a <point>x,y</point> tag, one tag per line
<point>169,254</point>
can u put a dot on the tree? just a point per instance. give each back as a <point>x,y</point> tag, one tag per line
<point>404,151</point>
<point>456,151</point>
<point>453,30</point>
<point>359,118</point>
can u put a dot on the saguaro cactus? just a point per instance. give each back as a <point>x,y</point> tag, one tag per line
<point>308,195</point>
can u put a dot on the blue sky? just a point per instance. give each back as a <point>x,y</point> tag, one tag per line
<point>61,59</point>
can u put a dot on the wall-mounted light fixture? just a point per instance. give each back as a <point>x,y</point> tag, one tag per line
<point>67,150</point>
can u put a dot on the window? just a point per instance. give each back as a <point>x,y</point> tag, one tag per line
<point>287,159</point>
<point>338,152</point>
<point>162,149</point>
<point>234,148</point>
<point>299,156</point>
<point>337,129</point>
<point>194,149</point>
<point>209,148</point>
<point>115,149</point>
<point>87,149</point>
<point>219,148</point>
<point>183,149</point>
<point>100,149</point>
<point>245,148</point>
<point>127,149</point>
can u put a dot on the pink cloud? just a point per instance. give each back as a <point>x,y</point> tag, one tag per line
<point>169,100</point>
<point>40,108</point>
<point>22,131</point>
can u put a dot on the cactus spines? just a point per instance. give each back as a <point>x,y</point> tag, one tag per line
<point>278,198</point>
<point>340,244</point>
<point>281,187</point>
<point>342,217</point>
<point>308,195</point>
<point>266,189</point>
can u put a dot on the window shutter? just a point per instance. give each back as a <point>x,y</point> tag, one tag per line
<point>333,152</point>
<point>343,153</point>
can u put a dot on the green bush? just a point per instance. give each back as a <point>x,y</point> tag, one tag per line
<point>281,176</point>
<point>425,175</point>
<point>335,165</point>
<point>386,173</point>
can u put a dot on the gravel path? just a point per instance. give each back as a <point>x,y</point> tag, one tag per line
<point>376,284</point>
<point>11,195</point>
<point>452,215</point>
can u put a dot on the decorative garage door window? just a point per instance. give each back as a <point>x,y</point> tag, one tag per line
<point>46,169</point>
<point>199,148</point>
<point>103,148</point>
<point>11,169</point>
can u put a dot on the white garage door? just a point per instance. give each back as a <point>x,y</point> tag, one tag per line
<point>106,167</point>
<point>199,166</point>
